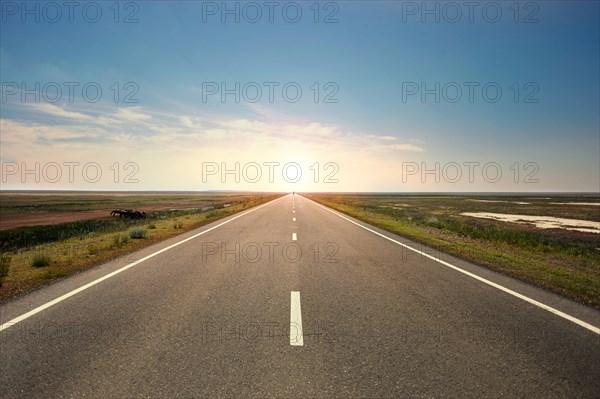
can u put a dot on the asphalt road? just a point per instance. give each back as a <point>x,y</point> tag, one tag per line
<point>265,305</point>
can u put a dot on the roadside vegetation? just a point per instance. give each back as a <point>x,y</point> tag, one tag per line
<point>563,261</point>
<point>31,257</point>
<point>4,267</point>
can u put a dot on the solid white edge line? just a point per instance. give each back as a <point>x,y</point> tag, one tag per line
<point>99,280</point>
<point>296,335</point>
<point>483,280</point>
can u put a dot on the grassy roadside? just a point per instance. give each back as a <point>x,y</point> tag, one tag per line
<point>566,266</point>
<point>33,267</point>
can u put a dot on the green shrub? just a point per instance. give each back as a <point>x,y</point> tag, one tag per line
<point>177,225</point>
<point>138,233</point>
<point>4,267</point>
<point>152,227</point>
<point>40,260</point>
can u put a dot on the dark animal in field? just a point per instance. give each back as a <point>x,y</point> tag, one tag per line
<point>137,215</point>
<point>128,213</point>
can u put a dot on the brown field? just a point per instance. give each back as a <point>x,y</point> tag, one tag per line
<point>19,209</point>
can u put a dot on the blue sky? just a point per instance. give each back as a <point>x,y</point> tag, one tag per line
<point>374,133</point>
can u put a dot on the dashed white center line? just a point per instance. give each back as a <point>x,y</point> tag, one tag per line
<point>293,219</point>
<point>294,237</point>
<point>293,211</point>
<point>296,336</point>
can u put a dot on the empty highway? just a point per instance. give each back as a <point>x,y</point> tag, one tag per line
<point>291,299</point>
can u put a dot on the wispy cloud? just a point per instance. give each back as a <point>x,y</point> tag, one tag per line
<point>132,114</point>
<point>416,141</point>
<point>167,144</point>
<point>162,130</point>
<point>50,109</point>
<point>406,147</point>
<point>386,138</point>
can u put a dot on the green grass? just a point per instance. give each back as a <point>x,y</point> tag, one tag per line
<point>138,233</point>
<point>4,267</point>
<point>498,232</point>
<point>25,237</point>
<point>40,260</point>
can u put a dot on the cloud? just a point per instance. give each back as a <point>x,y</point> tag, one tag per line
<point>131,114</point>
<point>406,147</point>
<point>243,125</point>
<point>188,122</point>
<point>54,110</point>
<point>386,138</point>
<point>181,141</point>
<point>417,141</point>
<point>163,131</point>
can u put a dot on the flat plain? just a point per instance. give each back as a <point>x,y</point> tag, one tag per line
<point>563,260</point>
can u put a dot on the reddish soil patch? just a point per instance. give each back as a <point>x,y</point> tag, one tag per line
<point>11,221</point>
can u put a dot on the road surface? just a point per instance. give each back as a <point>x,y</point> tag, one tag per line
<point>294,300</point>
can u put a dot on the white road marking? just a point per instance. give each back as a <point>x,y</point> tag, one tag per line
<point>476,277</point>
<point>294,237</point>
<point>296,336</point>
<point>27,315</point>
<point>293,219</point>
<point>293,211</point>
